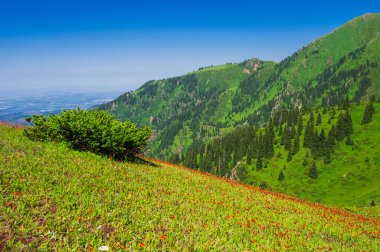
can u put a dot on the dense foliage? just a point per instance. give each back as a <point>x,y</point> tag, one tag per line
<point>96,131</point>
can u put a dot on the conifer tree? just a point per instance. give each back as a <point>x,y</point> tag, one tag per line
<point>321,143</point>
<point>300,124</point>
<point>281,175</point>
<point>331,138</point>
<point>270,148</point>
<point>349,127</point>
<point>312,118</point>
<point>304,163</point>
<point>287,139</point>
<point>349,141</point>
<point>327,158</point>
<point>270,129</point>
<point>289,156</point>
<point>346,104</point>
<point>369,110</point>
<point>319,120</point>
<point>340,128</point>
<point>296,144</point>
<point>315,144</point>
<point>259,163</point>
<point>313,172</point>
<point>249,155</point>
<point>307,136</point>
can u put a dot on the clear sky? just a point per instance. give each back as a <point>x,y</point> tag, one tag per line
<point>119,45</point>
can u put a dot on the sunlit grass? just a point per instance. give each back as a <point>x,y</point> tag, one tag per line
<point>54,198</point>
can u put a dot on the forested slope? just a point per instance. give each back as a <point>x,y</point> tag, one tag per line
<point>189,110</point>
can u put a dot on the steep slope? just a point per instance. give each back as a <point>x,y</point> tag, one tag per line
<point>185,108</point>
<point>193,108</point>
<point>345,62</point>
<point>346,160</point>
<point>57,199</point>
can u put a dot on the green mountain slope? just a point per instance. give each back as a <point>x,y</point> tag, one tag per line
<point>346,161</point>
<point>191,109</point>
<point>57,199</point>
<point>345,62</point>
<point>182,109</point>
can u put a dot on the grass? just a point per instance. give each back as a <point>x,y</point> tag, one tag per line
<point>351,180</point>
<point>54,198</point>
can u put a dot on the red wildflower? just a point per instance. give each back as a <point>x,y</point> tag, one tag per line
<point>162,237</point>
<point>141,244</point>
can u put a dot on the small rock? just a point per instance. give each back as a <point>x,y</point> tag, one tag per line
<point>103,248</point>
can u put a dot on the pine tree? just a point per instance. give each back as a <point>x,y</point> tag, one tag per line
<point>249,155</point>
<point>289,156</point>
<point>340,128</point>
<point>313,173</point>
<point>259,163</point>
<point>300,124</point>
<point>312,117</point>
<point>349,141</point>
<point>346,104</point>
<point>319,120</point>
<point>327,158</point>
<point>287,139</point>
<point>321,143</point>
<point>307,138</point>
<point>296,144</point>
<point>331,138</point>
<point>281,175</point>
<point>348,124</point>
<point>304,163</point>
<point>315,145</point>
<point>270,129</point>
<point>369,110</point>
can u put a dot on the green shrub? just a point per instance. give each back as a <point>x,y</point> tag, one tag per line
<point>94,130</point>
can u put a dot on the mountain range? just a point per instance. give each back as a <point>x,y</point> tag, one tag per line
<point>190,112</point>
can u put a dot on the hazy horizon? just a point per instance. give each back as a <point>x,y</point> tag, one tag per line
<point>99,46</point>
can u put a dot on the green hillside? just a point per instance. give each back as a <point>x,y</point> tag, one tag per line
<point>347,163</point>
<point>57,199</point>
<point>188,110</point>
<point>180,109</point>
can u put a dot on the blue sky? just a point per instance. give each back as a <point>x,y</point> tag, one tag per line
<point>119,45</point>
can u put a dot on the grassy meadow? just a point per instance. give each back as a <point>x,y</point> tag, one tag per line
<point>351,180</point>
<point>54,198</point>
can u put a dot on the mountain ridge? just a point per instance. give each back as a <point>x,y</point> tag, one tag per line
<point>210,101</point>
